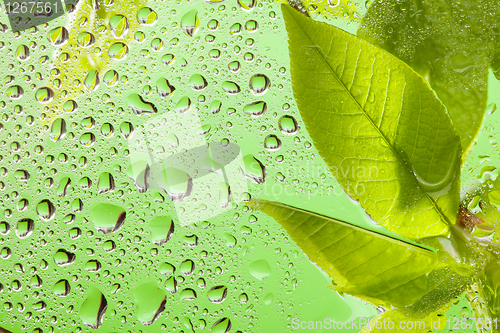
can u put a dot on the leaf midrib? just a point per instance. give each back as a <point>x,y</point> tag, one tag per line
<point>320,52</point>
<point>389,238</point>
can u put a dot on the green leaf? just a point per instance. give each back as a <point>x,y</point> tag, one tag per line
<point>378,126</point>
<point>375,267</point>
<point>433,38</point>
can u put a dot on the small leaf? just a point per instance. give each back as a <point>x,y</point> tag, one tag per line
<point>363,263</point>
<point>378,126</point>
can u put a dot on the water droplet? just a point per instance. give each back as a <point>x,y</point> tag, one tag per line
<point>213,24</point>
<point>63,257</point>
<point>140,106</point>
<point>87,139</point>
<point>4,228</point>
<point>260,269</point>
<point>288,125</point>
<point>214,53</point>
<point>23,52</point>
<point>157,44</point>
<point>25,227</point>
<point>251,26</point>
<point>190,22</point>
<point>106,183</point>
<point>247,5</point>
<point>14,92</point>
<point>45,210</point>
<point>150,301</point>
<point>197,82</point>
<point>167,269</point>
<point>176,183</point>
<point>5,252</point>
<point>22,175</point>
<point>168,59</point>
<point>58,130</point>
<point>254,170</point>
<point>62,288</point>
<point>183,105</point>
<point>92,266</point>
<point>217,294</point>
<point>126,129</point>
<point>58,36</point>
<point>85,39</point>
<point>234,66</point>
<point>118,51</point>
<point>230,240</point>
<point>147,16</point>
<point>119,25</point>
<point>215,106</point>
<point>259,84</point>
<point>235,29</point>
<point>222,325</point>
<point>111,78</point>
<point>44,95</point>
<point>230,87</point>
<point>188,294</point>
<point>187,267</point>
<point>107,218</point>
<point>70,106</point>
<point>272,142</point>
<point>256,109</point>
<point>162,228</point>
<point>93,308</point>
<point>92,80</point>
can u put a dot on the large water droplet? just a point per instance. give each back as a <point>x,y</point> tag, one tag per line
<point>23,52</point>
<point>230,87</point>
<point>221,326</point>
<point>107,218</point>
<point>260,269</point>
<point>93,308</point>
<point>197,82</point>
<point>62,288</point>
<point>176,183</point>
<point>183,105</point>
<point>118,51</point>
<point>272,142</point>
<point>162,228</point>
<point>147,16</point>
<point>92,80</point>
<point>150,301</point>
<point>217,294</point>
<point>256,109</point>
<point>85,39</point>
<point>288,125</point>
<point>164,88</point>
<point>139,173</point>
<point>106,183</point>
<point>140,106</point>
<point>14,92</point>
<point>44,95</point>
<point>63,257</point>
<point>247,5</point>
<point>259,84</point>
<point>190,22</point>
<point>25,227</point>
<point>254,169</point>
<point>45,210</point>
<point>119,25</point>
<point>58,36</point>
